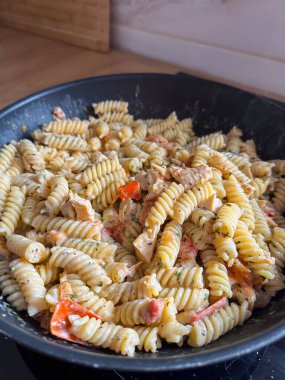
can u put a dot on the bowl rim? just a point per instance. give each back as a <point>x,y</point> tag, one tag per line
<point>100,360</point>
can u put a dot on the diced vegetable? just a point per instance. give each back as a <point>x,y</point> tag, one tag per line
<point>60,325</point>
<point>130,191</point>
<point>209,311</point>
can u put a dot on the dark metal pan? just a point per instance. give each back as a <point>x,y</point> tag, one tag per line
<point>213,107</point>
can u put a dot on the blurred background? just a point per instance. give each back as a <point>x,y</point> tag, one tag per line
<point>240,42</point>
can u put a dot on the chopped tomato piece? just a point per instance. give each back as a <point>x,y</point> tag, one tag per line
<point>60,325</point>
<point>209,311</point>
<point>187,249</point>
<point>154,311</point>
<point>115,231</point>
<point>130,191</point>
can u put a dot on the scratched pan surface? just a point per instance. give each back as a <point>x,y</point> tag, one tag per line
<point>213,107</point>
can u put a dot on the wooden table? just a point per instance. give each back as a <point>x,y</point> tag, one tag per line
<point>29,63</point>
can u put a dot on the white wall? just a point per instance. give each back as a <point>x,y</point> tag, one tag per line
<point>241,41</point>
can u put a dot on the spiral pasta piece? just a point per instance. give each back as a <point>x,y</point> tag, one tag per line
<point>97,186</point>
<point>59,191</point>
<point>7,155</point>
<point>29,210</point>
<point>98,170</point>
<point>149,338</point>
<point>143,312</point>
<point>117,117</point>
<point>12,211</point>
<point>157,157</point>
<point>219,323</point>
<point>33,159</point>
<point>168,247</point>
<point>117,338</point>
<point>47,153</point>
<point>277,247</point>
<point>5,183</point>
<point>189,200</point>
<point>228,168</point>
<point>216,274</point>
<point>202,218</point>
<point>108,196</point>
<point>215,141</point>
<point>146,287</point>
<point>78,262</point>
<point>133,151</point>
<point>187,299</point>
<point>164,204</point>
<point>110,106</point>
<point>227,219</point>
<point>98,250</point>
<point>83,295</point>
<point>32,251</point>
<point>235,194</point>
<point>201,155</point>
<point>201,238</point>
<point>234,140</point>
<point>125,256</point>
<point>118,272</point>
<point>259,186</point>
<point>159,126</point>
<point>261,169</point>
<point>278,199</point>
<point>31,285</point>
<point>10,287</point>
<point>72,228</point>
<point>226,249</point>
<point>252,254</point>
<point>180,277</point>
<point>261,225</point>
<point>48,275</point>
<point>139,130</point>
<point>65,142</point>
<point>67,127</point>
<point>76,164</point>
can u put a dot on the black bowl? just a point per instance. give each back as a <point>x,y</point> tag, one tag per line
<point>213,107</point>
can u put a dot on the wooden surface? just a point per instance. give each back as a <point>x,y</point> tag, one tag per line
<point>29,63</point>
<point>83,23</point>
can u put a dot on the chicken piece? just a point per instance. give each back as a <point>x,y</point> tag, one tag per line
<point>58,113</point>
<point>262,299</point>
<point>55,237</point>
<point>142,177</point>
<point>191,176</point>
<point>212,204</point>
<point>145,244</point>
<point>78,208</point>
<point>129,210</point>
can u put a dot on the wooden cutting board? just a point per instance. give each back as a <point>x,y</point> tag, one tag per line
<point>84,23</point>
